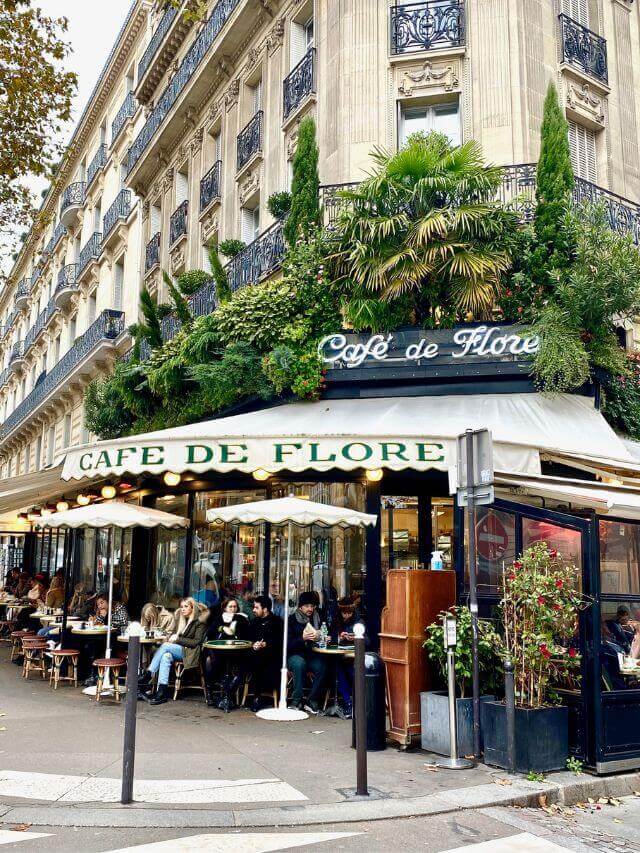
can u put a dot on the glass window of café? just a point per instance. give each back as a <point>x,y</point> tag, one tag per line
<point>48,554</point>
<point>166,582</point>
<point>401,529</point>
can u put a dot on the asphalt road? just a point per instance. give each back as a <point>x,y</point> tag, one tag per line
<point>614,829</point>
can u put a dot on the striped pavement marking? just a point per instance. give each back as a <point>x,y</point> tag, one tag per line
<point>252,842</point>
<point>9,836</point>
<point>523,842</point>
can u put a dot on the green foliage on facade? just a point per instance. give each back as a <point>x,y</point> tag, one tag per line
<point>622,398</point>
<point>231,248</point>
<point>190,282</point>
<point>304,217</point>
<point>279,204</point>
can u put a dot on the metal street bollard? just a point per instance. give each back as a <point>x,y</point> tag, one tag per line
<point>360,709</point>
<point>450,640</point>
<point>510,698</point>
<point>130,713</point>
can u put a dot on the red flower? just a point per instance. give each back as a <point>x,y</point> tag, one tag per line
<point>573,653</point>
<point>559,583</point>
<point>541,599</point>
<point>545,651</point>
<point>517,564</point>
<point>512,576</point>
<point>553,553</point>
<point>557,607</point>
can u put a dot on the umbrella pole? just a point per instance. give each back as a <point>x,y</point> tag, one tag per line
<point>284,672</point>
<point>106,684</point>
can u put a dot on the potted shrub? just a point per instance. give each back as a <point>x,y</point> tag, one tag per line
<point>279,204</point>
<point>434,704</point>
<point>540,608</point>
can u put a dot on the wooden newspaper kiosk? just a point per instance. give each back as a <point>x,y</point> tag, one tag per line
<point>415,597</point>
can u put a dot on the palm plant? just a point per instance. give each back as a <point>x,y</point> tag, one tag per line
<point>425,224</point>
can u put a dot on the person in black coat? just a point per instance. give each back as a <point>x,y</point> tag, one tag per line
<point>230,625</point>
<point>303,630</point>
<point>266,633</point>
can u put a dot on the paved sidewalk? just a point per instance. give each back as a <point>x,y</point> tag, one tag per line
<point>61,753</point>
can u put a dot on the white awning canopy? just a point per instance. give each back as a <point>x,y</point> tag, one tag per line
<point>113,514</point>
<point>292,509</point>
<point>396,433</point>
<point>20,493</point>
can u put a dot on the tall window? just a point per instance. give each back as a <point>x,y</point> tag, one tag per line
<point>67,429</point>
<point>73,330</point>
<point>37,462</point>
<point>301,41</point>
<point>97,215</point>
<point>91,308</point>
<point>118,284</point>
<point>256,95</point>
<point>51,445</point>
<point>443,118</point>
<point>250,223</point>
<point>578,10</point>
<point>582,143</point>
<point>182,187</point>
<point>155,220</point>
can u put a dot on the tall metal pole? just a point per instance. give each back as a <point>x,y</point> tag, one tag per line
<point>473,592</point>
<point>360,709</point>
<point>510,698</point>
<point>130,714</point>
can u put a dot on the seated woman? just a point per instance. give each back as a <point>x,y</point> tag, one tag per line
<point>82,600</point>
<point>231,625</point>
<point>55,595</point>
<point>155,617</point>
<point>342,632</point>
<point>184,645</point>
<point>35,597</point>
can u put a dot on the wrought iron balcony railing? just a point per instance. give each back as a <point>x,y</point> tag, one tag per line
<point>156,40</point>
<point>97,164</point>
<point>108,326</point>
<point>299,84</point>
<point>152,253</point>
<point>91,251</point>
<point>58,233</point>
<point>73,196</point>
<point>200,47</point>
<point>11,317</point>
<point>17,352</point>
<point>126,111</point>
<point>210,186</point>
<point>67,277</point>
<point>22,293</point>
<point>178,223</point>
<point>258,260</point>
<point>584,49</point>
<point>250,139</point>
<point>119,211</point>
<point>430,25</point>
<point>32,335</point>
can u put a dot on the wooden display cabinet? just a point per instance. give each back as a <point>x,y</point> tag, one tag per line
<point>414,600</point>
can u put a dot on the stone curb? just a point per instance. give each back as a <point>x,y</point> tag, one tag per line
<point>563,788</point>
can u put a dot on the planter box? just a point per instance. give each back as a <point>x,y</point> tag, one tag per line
<point>542,737</point>
<point>434,713</point>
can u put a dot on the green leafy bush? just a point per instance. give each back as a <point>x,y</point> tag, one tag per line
<point>190,282</point>
<point>279,204</point>
<point>304,218</point>
<point>622,398</point>
<point>231,248</point>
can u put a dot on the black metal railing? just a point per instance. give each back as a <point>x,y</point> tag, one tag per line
<point>518,189</point>
<point>126,111</point>
<point>67,277</point>
<point>623,215</point>
<point>299,83</point>
<point>35,277</point>
<point>73,196</point>
<point>22,291</point>
<point>34,332</point>
<point>91,251</point>
<point>17,352</point>
<point>152,253</point>
<point>108,326</point>
<point>58,233</point>
<point>258,260</point>
<point>200,47</point>
<point>156,40</point>
<point>4,377</point>
<point>210,185</point>
<point>98,163</point>
<point>119,211</point>
<point>583,49</point>
<point>333,203</point>
<point>250,139</point>
<point>178,222</point>
<point>11,317</point>
<point>428,25</point>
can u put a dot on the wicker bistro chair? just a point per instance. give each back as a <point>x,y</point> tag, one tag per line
<point>179,675</point>
<point>34,649</point>
<point>113,666</point>
<point>16,642</point>
<point>60,657</point>
<point>7,627</point>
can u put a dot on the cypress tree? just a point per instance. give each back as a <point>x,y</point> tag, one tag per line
<point>305,203</point>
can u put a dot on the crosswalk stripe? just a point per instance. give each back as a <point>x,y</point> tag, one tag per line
<point>252,842</point>
<point>523,842</point>
<point>10,836</point>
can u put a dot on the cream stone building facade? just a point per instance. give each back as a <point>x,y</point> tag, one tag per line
<point>193,125</point>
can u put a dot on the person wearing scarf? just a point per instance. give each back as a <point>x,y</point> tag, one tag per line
<point>303,628</point>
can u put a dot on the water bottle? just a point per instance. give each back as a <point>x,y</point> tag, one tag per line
<point>324,635</point>
<point>437,563</point>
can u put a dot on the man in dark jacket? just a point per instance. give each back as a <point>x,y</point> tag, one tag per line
<point>303,630</point>
<point>266,632</point>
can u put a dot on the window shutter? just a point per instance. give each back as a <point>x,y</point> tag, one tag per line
<point>257,97</point>
<point>155,220</point>
<point>582,143</point>
<point>117,286</point>
<point>297,43</point>
<point>248,225</point>
<point>578,10</point>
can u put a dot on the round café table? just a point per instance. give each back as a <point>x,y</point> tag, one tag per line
<point>225,647</point>
<point>344,652</point>
<point>145,641</point>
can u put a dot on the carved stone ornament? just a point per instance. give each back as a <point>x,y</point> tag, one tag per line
<point>442,75</point>
<point>232,94</point>
<point>292,141</point>
<point>248,187</point>
<point>196,142</point>
<point>275,39</point>
<point>167,181</point>
<point>178,259</point>
<point>210,225</point>
<point>146,209</point>
<point>269,7</point>
<point>583,100</point>
<point>214,111</point>
<point>252,60</point>
<point>140,190</point>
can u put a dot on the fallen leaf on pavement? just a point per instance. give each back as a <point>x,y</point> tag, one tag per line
<point>502,781</point>
<point>432,767</point>
<point>21,827</point>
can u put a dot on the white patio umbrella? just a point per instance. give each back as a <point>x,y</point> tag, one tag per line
<point>303,513</point>
<point>112,514</point>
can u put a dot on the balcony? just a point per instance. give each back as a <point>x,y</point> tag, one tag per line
<point>203,302</point>
<point>299,85</point>
<point>126,111</point>
<point>430,25</point>
<point>66,286</point>
<point>161,50</point>
<point>11,317</point>
<point>152,254</point>
<point>97,164</point>
<point>250,140</point>
<point>16,359</point>
<point>258,260</point>
<point>210,186</point>
<point>118,212</point>
<point>178,223</point>
<point>584,49</point>
<point>34,332</point>
<point>89,254</point>
<point>58,233</point>
<point>94,343</point>
<point>21,298</point>
<point>165,125</point>
<point>72,203</point>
